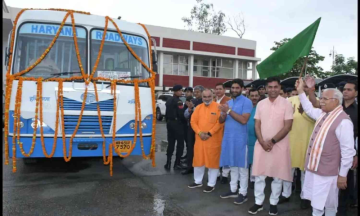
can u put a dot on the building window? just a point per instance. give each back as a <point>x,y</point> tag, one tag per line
<point>176,64</point>
<point>219,68</point>
<point>201,66</point>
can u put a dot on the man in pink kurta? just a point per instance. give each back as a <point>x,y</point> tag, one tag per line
<point>273,120</point>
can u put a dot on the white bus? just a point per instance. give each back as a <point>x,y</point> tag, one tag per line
<point>34,32</point>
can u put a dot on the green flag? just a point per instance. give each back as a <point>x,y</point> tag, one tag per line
<point>282,60</point>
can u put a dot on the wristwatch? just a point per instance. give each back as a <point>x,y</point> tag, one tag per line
<point>273,141</point>
<point>228,111</point>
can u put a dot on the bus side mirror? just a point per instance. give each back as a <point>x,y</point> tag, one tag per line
<point>154,61</point>
<point>154,56</point>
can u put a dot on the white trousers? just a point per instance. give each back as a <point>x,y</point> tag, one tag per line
<point>328,212</point>
<point>287,186</point>
<point>323,193</point>
<point>260,184</point>
<point>242,174</point>
<point>252,178</point>
<point>199,175</point>
<point>225,171</point>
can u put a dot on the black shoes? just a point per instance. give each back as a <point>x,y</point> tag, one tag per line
<point>194,185</point>
<point>273,210</point>
<point>177,165</point>
<point>168,164</point>
<point>208,189</point>
<point>283,199</point>
<point>240,199</point>
<point>255,209</point>
<point>188,171</point>
<point>224,180</point>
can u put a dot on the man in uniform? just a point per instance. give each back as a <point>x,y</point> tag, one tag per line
<point>191,134</point>
<point>174,122</point>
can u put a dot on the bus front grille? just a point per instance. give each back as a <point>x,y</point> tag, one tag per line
<point>88,125</point>
<point>70,104</point>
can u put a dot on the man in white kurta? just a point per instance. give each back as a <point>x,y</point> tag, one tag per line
<point>330,153</point>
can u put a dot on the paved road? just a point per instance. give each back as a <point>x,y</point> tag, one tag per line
<point>83,187</point>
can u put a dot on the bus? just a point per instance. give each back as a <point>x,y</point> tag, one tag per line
<point>35,29</point>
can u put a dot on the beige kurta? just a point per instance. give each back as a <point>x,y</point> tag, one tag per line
<point>300,133</point>
<point>277,162</point>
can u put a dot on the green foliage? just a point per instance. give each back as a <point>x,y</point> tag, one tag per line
<point>311,66</point>
<point>203,18</point>
<point>344,67</point>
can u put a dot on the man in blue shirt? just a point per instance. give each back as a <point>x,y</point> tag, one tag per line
<point>235,114</point>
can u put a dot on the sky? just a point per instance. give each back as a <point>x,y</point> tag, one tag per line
<point>266,21</point>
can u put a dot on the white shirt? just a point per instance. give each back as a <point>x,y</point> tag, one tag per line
<point>219,100</point>
<point>344,132</point>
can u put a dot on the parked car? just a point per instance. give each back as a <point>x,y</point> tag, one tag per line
<point>160,104</point>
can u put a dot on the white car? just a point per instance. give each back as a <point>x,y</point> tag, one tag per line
<point>160,104</point>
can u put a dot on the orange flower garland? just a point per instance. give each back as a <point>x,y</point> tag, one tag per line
<point>41,126</point>
<point>36,120</point>
<point>87,80</point>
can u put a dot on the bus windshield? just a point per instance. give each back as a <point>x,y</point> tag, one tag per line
<point>116,61</point>
<point>32,41</point>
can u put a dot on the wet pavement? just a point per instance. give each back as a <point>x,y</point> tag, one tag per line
<point>83,187</point>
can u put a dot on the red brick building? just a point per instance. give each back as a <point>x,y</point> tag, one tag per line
<point>192,58</point>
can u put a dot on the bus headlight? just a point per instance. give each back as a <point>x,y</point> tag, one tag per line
<point>143,125</point>
<point>132,125</point>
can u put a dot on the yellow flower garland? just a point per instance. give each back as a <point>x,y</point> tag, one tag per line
<point>87,80</point>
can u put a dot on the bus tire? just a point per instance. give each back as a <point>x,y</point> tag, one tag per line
<point>159,117</point>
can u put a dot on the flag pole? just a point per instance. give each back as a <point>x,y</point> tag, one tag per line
<point>302,69</point>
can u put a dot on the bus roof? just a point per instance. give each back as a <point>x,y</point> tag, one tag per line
<point>88,21</point>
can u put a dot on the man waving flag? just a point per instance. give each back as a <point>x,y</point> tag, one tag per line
<point>282,60</point>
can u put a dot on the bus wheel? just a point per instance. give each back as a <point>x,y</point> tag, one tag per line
<point>29,161</point>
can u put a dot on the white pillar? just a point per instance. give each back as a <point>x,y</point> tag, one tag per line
<point>244,69</point>
<point>161,68</point>
<point>236,68</point>
<point>254,70</point>
<point>191,70</point>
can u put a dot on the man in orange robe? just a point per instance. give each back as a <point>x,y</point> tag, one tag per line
<point>207,149</point>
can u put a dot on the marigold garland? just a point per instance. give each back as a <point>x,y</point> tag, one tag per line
<point>87,80</point>
<point>35,127</point>
<point>41,126</point>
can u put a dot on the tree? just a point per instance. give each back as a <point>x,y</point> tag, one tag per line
<point>311,66</point>
<point>237,24</point>
<point>342,67</point>
<point>203,18</point>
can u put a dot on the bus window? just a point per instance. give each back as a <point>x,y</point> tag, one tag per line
<point>116,61</point>
<point>32,41</point>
